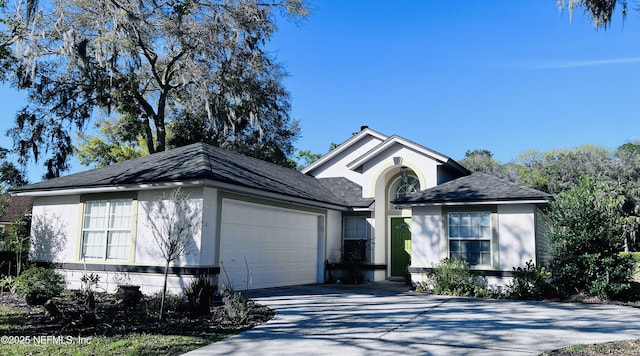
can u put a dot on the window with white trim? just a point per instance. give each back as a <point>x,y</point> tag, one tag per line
<point>106,229</point>
<point>355,233</point>
<point>470,237</point>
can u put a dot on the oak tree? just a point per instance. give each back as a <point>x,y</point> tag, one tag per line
<point>145,59</point>
<point>117,141</point>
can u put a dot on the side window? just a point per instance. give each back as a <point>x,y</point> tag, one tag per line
<point>355,236</point>
<point>106,229</point>
<point>470,237</point>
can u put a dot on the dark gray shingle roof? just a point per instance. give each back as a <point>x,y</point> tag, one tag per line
<point>194,162</point>
<point>476,187</point>
<point>347,191</point>
<point>17,206</point>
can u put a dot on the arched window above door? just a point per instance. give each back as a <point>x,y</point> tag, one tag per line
<point>407,185</point>
<point>403,185</point>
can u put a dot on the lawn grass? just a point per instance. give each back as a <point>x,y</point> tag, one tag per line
<point>631,347</point>
<point>10,316</point>
<point>625,347</point>
<point>132,344</point>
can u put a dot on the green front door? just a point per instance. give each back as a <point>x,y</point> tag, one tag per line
<point>400,246</point>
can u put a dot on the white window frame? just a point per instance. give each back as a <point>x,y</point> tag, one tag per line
<point>470,227</point>
<point>112,242</point>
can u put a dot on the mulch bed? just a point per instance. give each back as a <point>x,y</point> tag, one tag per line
<point>109,317</point>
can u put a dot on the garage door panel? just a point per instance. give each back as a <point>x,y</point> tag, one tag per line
<point>279,245</point>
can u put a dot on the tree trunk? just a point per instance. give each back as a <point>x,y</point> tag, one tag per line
<point>161,135</point>
<point>18,260</point>
<point>164,290</point>
<point>149,136</point>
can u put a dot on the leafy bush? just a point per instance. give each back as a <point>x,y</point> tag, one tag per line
<point>236,306</point>
<point>199,292</point>
<point>353,263</point>
<point>172,302</point>
<point>530,282</point>
<point>586,240</point>
<point>6,283</point>
<point>128,295</point>
<point>612,275</point>
<point>634,255</point>
<point>39,284</point>
<point>454,277</point>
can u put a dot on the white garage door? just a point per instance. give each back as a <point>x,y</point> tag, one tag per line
<point>263,246</point>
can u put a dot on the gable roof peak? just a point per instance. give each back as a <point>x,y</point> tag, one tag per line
<point>364,132</point>
<point>396,139</point>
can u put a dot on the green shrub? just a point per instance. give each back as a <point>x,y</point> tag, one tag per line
<point>39,284</point>
<point>586,240</point>
<point>454,277</point>
<point>236,306</point>
<point>353,263</point>
<point>172,302</point>
<point>634,255</point>
<point>199,292</point>
<point>530,282</point>
<point>611,274</point>
<point>6,283</point>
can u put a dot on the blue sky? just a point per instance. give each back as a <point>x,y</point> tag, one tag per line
<point>507,76</point>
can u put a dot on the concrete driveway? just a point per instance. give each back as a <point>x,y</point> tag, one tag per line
<point>387,318</point>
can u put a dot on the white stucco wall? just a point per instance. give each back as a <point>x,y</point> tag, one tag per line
<point>54,228</point>
<point>209,246</point>
<point>334,236</point>
<point>337,166</point>
<point>426,236</point>
<point>149,283</point>
<point>424,167</point>
<point>146,249</point>
<point>516,235</point>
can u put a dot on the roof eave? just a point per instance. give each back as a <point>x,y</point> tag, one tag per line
<point>353,165</point>
<point>534,201</point>
<point>169,185</point>
<point>453,163</point>
<point>105,188</point>
<point>342,147</point>
<point>275,196</point>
